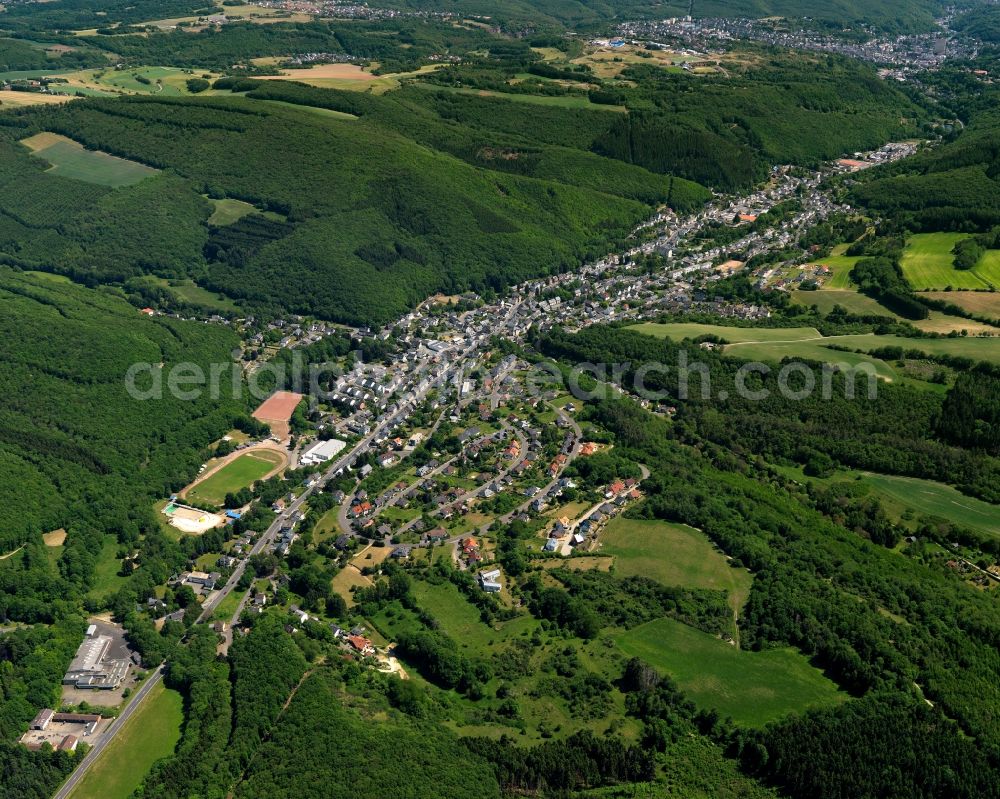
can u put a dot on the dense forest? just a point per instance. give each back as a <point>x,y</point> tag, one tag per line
<point>821,587</point>
<point>377,222</point>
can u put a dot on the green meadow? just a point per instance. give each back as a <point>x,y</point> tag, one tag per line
<point>149,735</point>
<point>70,159</point>
<point>927,263</point>
<point>753,688</point>
<point>774,344</point>
<point>672,554</point>
<point>922,497</point>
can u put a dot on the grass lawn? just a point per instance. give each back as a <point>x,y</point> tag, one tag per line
<point>150,734</point>
<point>227,607</point>
<point>753,688</point>
<point>927,263</point>
<point>71,160</point>
<point>672,554</point>
<point>238,473</point>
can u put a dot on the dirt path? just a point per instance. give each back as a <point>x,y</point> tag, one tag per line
<point>267,736</point>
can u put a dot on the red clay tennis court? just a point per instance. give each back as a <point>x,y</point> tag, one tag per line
<point>278,407</point>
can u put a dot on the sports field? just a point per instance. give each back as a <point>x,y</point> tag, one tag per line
<point>753,688</point>
<point>70,159</point>
<point>239,473</point>
<point>927,263</point>
<point>672,554</point>
<point>150,734</point>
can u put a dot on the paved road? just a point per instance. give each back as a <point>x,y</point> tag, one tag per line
<point>74,779</point>
<point>264,541</point>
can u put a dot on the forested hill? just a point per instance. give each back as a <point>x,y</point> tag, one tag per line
<point>954,185</point>
<point>888,15</point>
<point>76,451</point>
<point>371,220</point>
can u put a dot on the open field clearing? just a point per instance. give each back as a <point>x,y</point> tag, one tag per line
<point>329,113</point>
<point>673,554</point>
<point>9,99</point>
<point>240,472</point>
<point>840,265</point>
<point>923,497</point>
<point>349,76</point>
<point>983,303</point>
<point>188,291</point>
<point>70,159</point>
<point>150,734</point>
<point>861,304</point>
<point>927,263</point>
<point>734,335</point>
<point>572,101</point>
<point>610,62</point>
<point>55,539</point>
<point>852,301</point>
<point>106,578</point>
<point>753,688</point>
<point>346,579</point>
<point>774,344</point>
<point>229,211</point>
<point>323,71</point>
<point>460,619</point>
<point>152,80</point>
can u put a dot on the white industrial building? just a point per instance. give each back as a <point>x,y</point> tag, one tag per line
<point>321,452</point>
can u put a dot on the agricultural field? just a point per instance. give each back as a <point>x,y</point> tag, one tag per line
<point>69,159</point>
<point>920,497</point>
<point>555,101</point>
<point>753,688</point>
<point>241,472</point>
<point>734,335</point>
<point>927,263</point>
<point>10,100</point>
<point>148,735</point>
<point>982,303</point>
<point>774,344</point>
<point>673,554</point>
